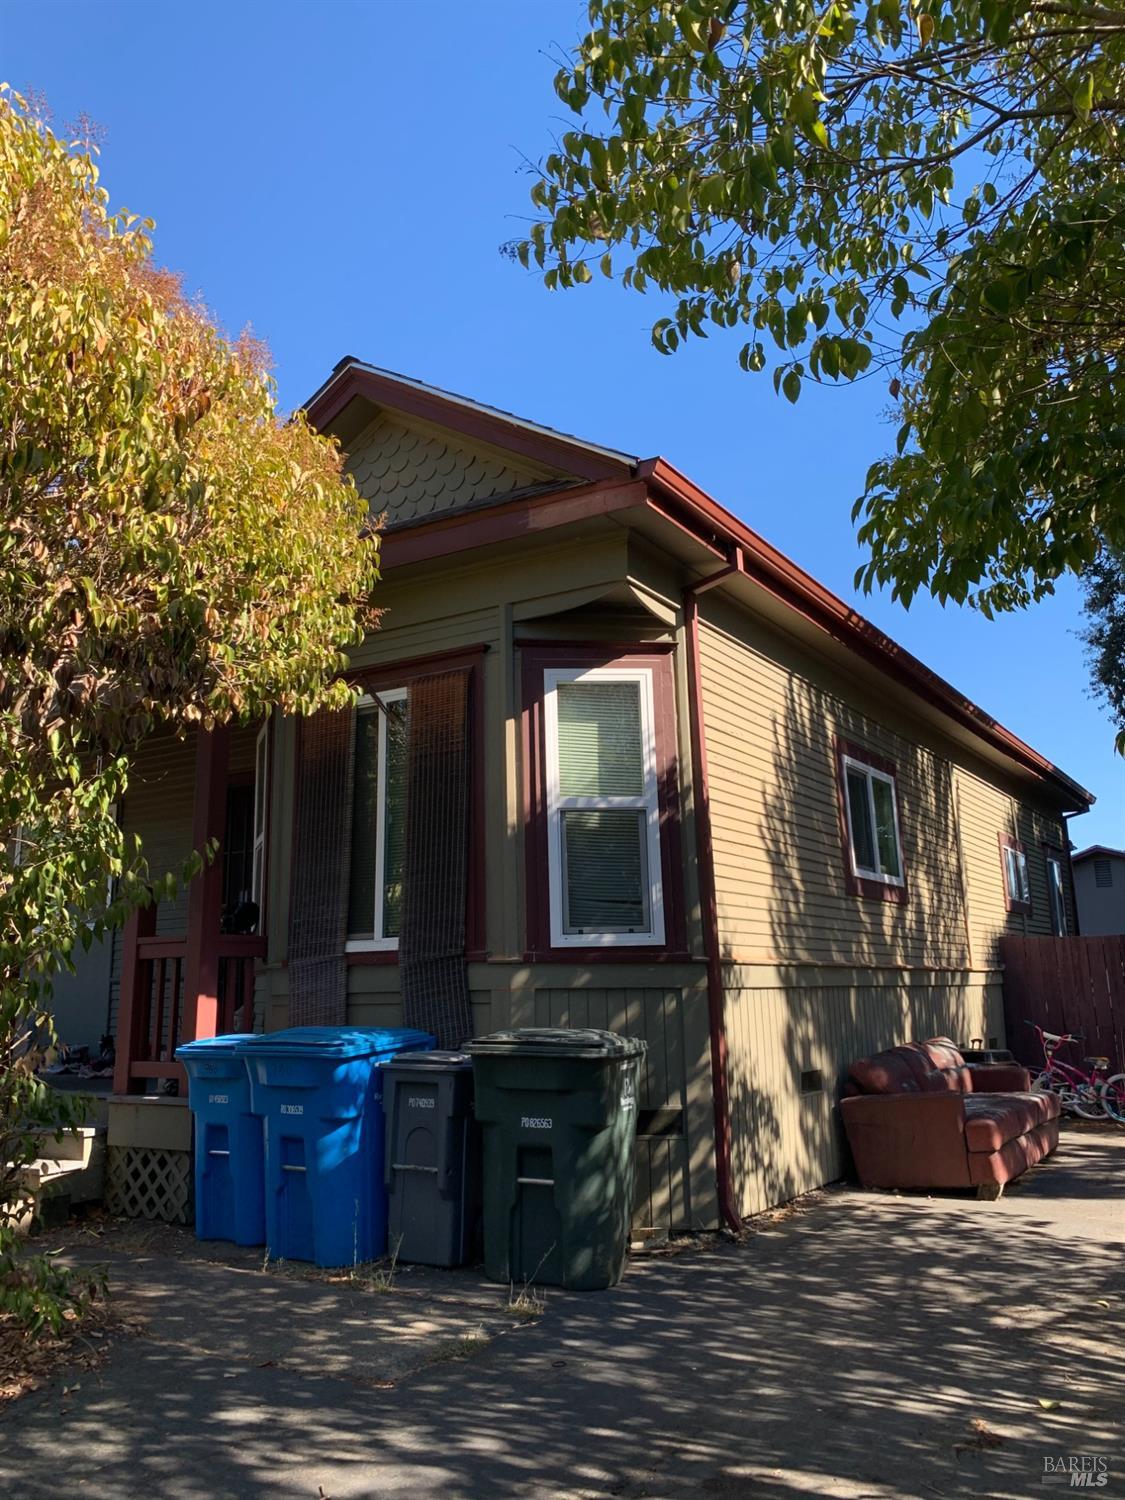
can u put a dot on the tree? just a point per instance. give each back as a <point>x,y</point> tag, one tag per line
<point>927,192</point>
<point>1104,586</point>
<point>171,553</point>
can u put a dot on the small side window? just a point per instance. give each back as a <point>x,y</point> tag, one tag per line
<point>1017,882</point>
<point>873,841</point>
<point>1056,897</point>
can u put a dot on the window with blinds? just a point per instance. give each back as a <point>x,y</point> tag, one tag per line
<point>602,807</point>
<point>378,822</point>
<point>874,843</point>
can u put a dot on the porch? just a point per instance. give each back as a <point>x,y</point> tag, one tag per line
<point>185,969</point>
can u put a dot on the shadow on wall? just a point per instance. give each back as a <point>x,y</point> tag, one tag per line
<point>792,1037</point>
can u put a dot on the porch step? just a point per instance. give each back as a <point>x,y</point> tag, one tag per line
<point>75,1144</point>
<point>71,1171</point>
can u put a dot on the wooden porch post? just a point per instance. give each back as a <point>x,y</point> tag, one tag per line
<point>205,894</point>
<point>132,1005</point>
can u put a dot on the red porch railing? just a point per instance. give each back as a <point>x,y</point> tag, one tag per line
<point>152,1009</point>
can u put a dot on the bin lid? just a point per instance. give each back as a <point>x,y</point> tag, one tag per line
<point>337,1042</point>
<point>448,1062</point>
<point>556,1041</point>
<point>216,1046</point>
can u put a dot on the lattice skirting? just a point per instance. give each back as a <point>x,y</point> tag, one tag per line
<point>143,1182</point>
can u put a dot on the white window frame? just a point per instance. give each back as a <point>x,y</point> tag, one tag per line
<point>647,802</point>
<point>872,773</point>
<point>261,758</point>
<point>1016,872</point>
<point>379,943</point>
<point>1056,893</point>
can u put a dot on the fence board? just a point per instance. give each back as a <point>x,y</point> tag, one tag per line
<point>1065,984</point>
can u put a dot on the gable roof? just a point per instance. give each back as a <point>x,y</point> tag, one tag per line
<point>687,506</point>
<point>353,378</point>
<point>1097,851</point>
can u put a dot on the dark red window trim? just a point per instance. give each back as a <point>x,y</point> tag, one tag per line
<point>1021,908</point>
<point>534,660</point>
<point>402,674</point>
<point>859,885</point>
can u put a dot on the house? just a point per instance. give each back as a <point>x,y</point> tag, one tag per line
<point>618,762</point>
<point>1099,890</point>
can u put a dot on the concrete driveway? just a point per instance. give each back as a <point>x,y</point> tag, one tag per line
<point>863,1345</point>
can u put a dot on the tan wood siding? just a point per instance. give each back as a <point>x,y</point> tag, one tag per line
<point>986,812</point>
<point>775,813</point>
<point>785,1142</point>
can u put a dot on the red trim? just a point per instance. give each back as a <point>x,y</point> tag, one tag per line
<point>794,587</point>
<point>205,893</point>
<point>1021,908</point>
<point>534,660</point>
<point>401,674</point>
<point>716,995</point>
<point>398,674</point>
<point>553,449</point>
<point>859,885</point>
<point>507,521</point>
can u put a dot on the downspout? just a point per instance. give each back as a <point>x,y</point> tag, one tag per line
<point>705,861</point>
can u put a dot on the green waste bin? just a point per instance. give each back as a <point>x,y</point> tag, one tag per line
<point>558,1114</point>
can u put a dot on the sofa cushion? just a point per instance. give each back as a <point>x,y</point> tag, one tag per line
<point>899,1070</point>
<point>948,1081</point>
<point>991,1120</point>
<point>943,1053</point>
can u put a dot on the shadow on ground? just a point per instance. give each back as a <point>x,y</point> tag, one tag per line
<point>867,1345</point>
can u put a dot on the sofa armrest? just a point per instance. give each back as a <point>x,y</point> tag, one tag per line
<point>908,1140</point>
<point>999,1078</point>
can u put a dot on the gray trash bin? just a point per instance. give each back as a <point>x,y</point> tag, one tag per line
<point>432,1158</point>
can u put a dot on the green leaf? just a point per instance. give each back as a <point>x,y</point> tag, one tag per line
<point>791,385</point>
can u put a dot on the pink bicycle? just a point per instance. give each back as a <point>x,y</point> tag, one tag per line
<point>1087,1091</point>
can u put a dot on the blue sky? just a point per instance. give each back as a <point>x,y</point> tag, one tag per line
<point>340,175</point>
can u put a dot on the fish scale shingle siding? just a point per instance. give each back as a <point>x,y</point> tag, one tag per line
<point>412,471</point>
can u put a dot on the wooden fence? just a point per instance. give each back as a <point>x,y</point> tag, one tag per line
<point>1065,984</point>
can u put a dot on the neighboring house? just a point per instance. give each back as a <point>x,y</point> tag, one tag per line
<point>618,763</point>
<point>1099,889</point>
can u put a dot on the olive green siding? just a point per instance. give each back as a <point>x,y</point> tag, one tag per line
<point>813,976</point>
<point>574,590</point>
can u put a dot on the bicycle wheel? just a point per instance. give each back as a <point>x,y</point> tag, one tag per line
<point>1086,1099</point>
<point>1113,1097</point>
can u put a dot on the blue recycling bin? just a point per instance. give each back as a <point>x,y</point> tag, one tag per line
<point>318,1090</point>
<point>229,1180</point>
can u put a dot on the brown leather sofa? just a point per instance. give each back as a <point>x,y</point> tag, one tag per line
<point>918,1116</point>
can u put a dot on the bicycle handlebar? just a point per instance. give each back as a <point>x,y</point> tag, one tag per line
<point>1069,1036</point>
